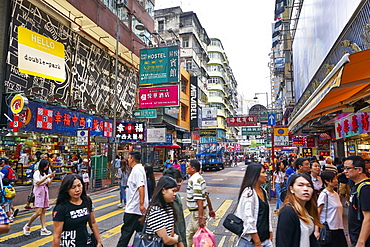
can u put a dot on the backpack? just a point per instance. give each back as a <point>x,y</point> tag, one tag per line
<point>9,192</point>
<point>30,171</point>
<point>358,197</point>
<point>11,174</point>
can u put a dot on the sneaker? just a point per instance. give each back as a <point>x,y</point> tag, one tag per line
<point>25,231</point>
<point>45,232</point>
<point>15,213</point>
<point>27,208</point>
<point>120,205</point>
<point>11,219</point>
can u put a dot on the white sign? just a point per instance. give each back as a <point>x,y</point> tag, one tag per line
<point>280,141</point>
<point>82,137</point>
<point>156,135</point>
<point>209,117</point>
<point>186,140</point>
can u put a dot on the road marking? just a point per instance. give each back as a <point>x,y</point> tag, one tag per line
<point>221,211</point>
<point>37,227</point>
<point>221,243</point>
<point>111,232</point>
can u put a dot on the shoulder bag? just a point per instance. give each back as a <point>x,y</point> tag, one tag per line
<point>143,239</point>
<point>325,233</point>
<point>233,223</point>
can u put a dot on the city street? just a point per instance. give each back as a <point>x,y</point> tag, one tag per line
<point>223,187</point>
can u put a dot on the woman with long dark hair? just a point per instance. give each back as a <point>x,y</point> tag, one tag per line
<point>41,180</point>
<point>150,179</point>
<point>72,211</point>
<point>161,215</point>
<point>123,173</point>
<point>298,216</point>
<point>278,182</point>
<point>254,209</point>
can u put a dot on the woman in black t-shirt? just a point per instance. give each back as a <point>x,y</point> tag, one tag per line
<point>72,211</point>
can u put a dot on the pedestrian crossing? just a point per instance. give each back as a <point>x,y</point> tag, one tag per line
<point>109,219</point>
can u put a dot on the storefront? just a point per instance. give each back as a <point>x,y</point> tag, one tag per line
<point>60,132</point>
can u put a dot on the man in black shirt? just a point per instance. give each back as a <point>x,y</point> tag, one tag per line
<point>359,210</point>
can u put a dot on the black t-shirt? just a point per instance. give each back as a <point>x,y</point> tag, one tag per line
<point>354,224</point>
<point>263,219</point>
<point>75,218</point>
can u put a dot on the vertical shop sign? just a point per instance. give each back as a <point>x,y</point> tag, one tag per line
<point>194,102</point>
<point>159,65</point>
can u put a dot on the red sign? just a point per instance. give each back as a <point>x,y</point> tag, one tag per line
<point>310,142</point>
<point>159,96</point>
<point>16,123</point>
<point>44,118</point>
<point>242,121</point>
<point>323,145</point>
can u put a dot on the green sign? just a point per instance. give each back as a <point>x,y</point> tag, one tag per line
<point>255,133</point>
<point>159,65</point>
<point>150,113</point>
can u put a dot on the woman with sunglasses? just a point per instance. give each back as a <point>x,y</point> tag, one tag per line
<point>298,215</point>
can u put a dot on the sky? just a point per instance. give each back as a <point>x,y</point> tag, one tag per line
<point>245,31</point>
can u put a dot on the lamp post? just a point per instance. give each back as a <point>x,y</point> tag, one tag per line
<point>267,98</point>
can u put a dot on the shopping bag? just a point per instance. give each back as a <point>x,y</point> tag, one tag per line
<point>204,238</point>
<point>85,177</point>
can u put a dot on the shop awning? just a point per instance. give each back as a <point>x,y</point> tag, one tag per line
<point>173,146</point>
<point>176,127</point>
<point>348,82</point>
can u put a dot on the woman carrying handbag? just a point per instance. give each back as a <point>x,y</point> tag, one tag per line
<point>331,212</point>
<point>160,219</point>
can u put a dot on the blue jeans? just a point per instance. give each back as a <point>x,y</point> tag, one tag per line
<point>245,243</point>
<point>277,190</point>
<point>123,193</point>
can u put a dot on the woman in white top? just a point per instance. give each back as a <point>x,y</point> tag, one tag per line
<point>331,210</point>
<point>278,182</point>
<point>42,178</point>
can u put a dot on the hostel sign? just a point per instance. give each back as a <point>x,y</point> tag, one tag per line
<point>159,65</point>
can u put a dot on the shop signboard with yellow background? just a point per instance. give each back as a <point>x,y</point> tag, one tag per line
<point>40,56</point>
<point>281,137</point>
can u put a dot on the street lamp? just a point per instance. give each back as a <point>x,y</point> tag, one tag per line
<point>267,98</point>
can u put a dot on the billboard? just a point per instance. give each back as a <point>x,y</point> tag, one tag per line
<point>131,131</point>
<point>320,24</point>
<point>209,117</point>
<point>156,135</point>
<point>159,65</point>
<point>159,96</point>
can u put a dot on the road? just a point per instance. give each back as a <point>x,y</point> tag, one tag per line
<point>223,187</point>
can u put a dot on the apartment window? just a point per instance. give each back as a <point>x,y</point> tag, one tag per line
<point>160,26</point>
<point>214,80</point>
<point>141,2</point>
<point>185,42</point>
<point>189,65</point>
<point>184,85</point>
<point>184,112</point>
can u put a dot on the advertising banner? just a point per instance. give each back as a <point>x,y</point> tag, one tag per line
<point>131,131</point>
<point>242,121</point>
<point>54,120</point>
<point>159,96</point>
<point>159,65</point>
<point>209,117</point>
<point>353,124</point>
<point>156,135</point>
<point>40,56</point>
<point>208,133</point>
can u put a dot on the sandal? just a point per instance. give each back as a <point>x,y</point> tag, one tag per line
<point>45,232</point>
<point>25,231</point>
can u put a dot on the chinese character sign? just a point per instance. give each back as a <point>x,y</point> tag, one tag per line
<point>159,96</point>
<point>353,124</point>
<point>131,131</point>
<point>242,121</point>
<point>159,65</point>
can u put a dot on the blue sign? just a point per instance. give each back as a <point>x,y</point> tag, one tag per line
<point>271,119</point>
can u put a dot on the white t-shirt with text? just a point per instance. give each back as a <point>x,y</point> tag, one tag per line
<point>136,179</point>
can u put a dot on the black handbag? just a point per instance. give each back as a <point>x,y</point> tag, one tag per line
<point>325,232</point>
<point>233,223</point>
<point>143,239</point>
<point>91,240</point>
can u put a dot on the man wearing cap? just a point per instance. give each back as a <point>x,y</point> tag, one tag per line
<point>83,168</point>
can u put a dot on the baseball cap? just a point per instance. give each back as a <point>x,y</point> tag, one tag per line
<point>5,160</point>
<point>85,160</point>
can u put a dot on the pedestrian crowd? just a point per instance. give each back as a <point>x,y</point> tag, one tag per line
<point>310,206</point>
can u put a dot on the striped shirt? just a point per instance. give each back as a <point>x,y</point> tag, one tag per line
<point>159,218</point>
<point>196,190</point>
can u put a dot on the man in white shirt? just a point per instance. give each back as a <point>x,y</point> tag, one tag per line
<point>137,199</point>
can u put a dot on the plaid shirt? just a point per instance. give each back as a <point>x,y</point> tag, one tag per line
<point>3,217</point>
